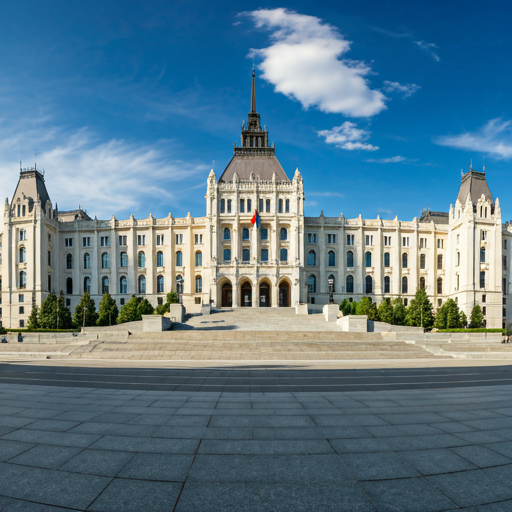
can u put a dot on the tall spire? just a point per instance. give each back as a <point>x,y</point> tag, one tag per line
<point>253,94</point>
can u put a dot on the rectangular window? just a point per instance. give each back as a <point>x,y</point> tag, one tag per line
<point>141,239</point>
<point>312,238</point>
<point>21,297</point>
<point>179,239</point>
<point>483,235</point>
<point>405,241</point>
<point>504,263</point>
<point>423,243</point>
<point>227,255</point>
<point>350,239</point>
<point>387,240</point>
<point>229,205</point>
<point>484,297</point>
<point>260,205</point>
<point>22,323</point>
<point>49,258</point>
<point>267,205</point>
<point>482,279</point>
<point>198,239</point>
<point>242,205</point>
<point>159,239</point>
<point>264,234</point>
<point>121,301</point>
<point>22,310</point>
<point>23,235</point>
<point>68,303</point>
<point>264,255</point>
<point>68,242</point>
<point>331,238</point>
<point>484,311</point>
<point>49,238</point>
<point>369,239</point>
<point>104,241</point>
<point>505,244</point>
<point>440,243</point>
<point>86,241</point>
<point>122,239</point>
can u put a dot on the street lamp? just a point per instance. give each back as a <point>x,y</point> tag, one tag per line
<point>330,284</point>
<point>179,288</point>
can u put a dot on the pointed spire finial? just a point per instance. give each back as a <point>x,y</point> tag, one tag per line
<point>484,165</point>
<point>471,165</point>
<point>253,93</point>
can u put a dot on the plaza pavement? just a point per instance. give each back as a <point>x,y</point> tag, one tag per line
<point>98,449</point>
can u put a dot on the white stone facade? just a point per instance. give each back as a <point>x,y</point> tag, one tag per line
<point>227,261</point>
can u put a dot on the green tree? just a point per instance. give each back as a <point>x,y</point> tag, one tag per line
<point>144,308</point>
<point>54,314</point>
<point>368,308</point>
<point>129,312</point>
<point>477,319</point>
<point>463,319</point>
<point>448,316</point>
<point>33,319</point>
<point>353,308</point>
<point>385,312</point>
<point>172,298</point>
<point>399,312</point>
<point>88,306</point>
<point>419,313</point>
<point>3,330</point>
<point>345,307</point>
<point>108,310</point>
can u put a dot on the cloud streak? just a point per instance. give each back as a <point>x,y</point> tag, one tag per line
<point>494,138</point>
<point>390,160</point>
<point>406,89</point>
<point>429,48</point>
<point>306,62</point>
<point>349,137</point>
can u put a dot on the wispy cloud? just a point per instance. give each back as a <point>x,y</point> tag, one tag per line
<point>306,62</point>
<point>310,203</point>
<point>348,136</point>
<point>326,194</point>
<point>106,177</point>
<point>390,160</point>
<point>494,138</point>
<point>382,210</point>
<point>429,48</point>
<point>406,89</point>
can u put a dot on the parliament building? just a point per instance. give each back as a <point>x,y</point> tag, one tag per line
<point>225,260</point>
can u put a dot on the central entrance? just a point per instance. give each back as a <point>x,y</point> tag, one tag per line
<point>246,292</point>
<point>284,295</point>
<point>264,295</point>
<point>227,295</point>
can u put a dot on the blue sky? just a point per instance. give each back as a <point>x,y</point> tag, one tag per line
<point>128,105</point>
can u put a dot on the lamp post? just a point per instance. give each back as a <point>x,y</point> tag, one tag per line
<point>330,284</point>
<point>179,288</point>
<point>83,321</point>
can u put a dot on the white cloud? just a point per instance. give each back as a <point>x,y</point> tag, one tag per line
<point>390,160</point>
<point>382,210</point>
<point>430,48</point>
<point>494,138</point>
<point>106,177</point>
<point>406,89</point>
<point>326,194</point>
<point>303,62</point>
<point>348,136</point>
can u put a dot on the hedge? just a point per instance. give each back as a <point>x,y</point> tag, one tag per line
<point>473,330</point>
<point>42,330</point>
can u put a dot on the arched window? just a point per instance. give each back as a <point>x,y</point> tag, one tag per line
<point>124,259</point>
<point>227,234</point>
<point>287,206</point>
<point>386,259</point>
<point>439,285</point>
<point>311,258</point>
<point>246,255</point>
<point>142,284</point>
<point>179,259</point>
<point>283,253</point>
<point>312,284</point>
<point>404,260</point>
<point>387,284</point>
<point>331,259</point>
<point>105,260</point>
<point>350,284</point>
<point>87,284</point>
<point>440,261</point>
<point>199,284</point>
<point>69,286</point>
<point>280,206</point>
<point>482,255</point>
<point>123,285</point>
<point>87,260</point>
<point>104,284</point>
<point>222,205</point>
<point>423,261</point>
<point>141,260</point>
<point>368,259</point>
<point>284,234</point>
<point>245,234</point>
<point>23,279</point>
<point>23,255</point>
<point>368,284</point>
<point>199,259</point>
<point>159,259</point>
<point>404,284</point>
<point>160,284</point>
<point>422,283</point>
<point>69,261</point>
<point>350,259</point>
<point>333,282</point>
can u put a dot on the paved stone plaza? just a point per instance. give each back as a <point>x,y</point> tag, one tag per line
<point>97,449</point>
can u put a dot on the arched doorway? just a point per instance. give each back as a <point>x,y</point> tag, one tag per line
<point>264,295</point>
<point>246,295</point>
<point>227,295</point>
<point>284,295</point>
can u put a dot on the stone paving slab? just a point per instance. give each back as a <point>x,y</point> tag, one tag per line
<point>93,449</point>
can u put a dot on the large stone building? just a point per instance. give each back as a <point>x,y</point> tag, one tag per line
<point>226,260</point>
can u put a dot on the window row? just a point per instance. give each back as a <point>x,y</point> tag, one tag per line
<point>141,260</point>
<point>245,206</point>
<point>246,255</point>
<point>283,234</point>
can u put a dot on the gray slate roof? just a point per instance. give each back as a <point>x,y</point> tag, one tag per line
<point>262,166</point>
<point>474,184</point>
<point>31,183</point>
